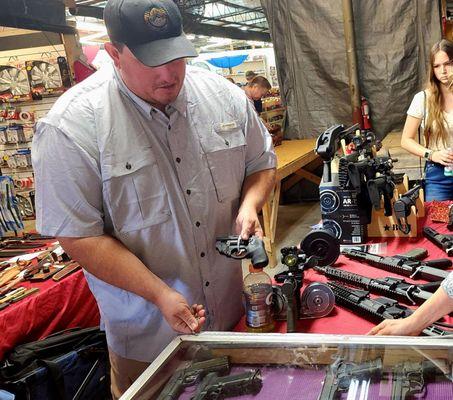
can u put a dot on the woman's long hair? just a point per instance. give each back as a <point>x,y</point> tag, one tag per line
<point>435,130</point>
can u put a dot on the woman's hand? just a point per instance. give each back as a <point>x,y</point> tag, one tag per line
<point>443,157</point>
<point>397,327</point>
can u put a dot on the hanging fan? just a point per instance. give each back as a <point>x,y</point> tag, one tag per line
<point>46,75</point>
<point>13,81</point>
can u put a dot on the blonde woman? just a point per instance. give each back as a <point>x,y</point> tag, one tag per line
<point>432,110</point>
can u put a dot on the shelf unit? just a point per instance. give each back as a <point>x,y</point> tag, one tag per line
<point>274,115</point>
<point>257,65</point>
<point>65,45</point>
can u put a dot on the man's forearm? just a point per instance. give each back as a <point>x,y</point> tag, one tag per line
<point>257,188</point>
<point>107,259</point>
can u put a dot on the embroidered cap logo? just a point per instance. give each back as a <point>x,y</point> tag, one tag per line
<point>157,18</point>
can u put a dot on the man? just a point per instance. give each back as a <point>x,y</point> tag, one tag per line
<point>249,75</point>
<point>258,87</point>
<point>138,169</point>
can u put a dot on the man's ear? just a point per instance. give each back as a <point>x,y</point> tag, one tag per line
<point>113,52</point>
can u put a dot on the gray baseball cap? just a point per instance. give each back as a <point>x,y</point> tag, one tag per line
<point>151,29</point>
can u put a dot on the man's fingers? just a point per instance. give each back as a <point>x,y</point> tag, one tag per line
<point>246,230</point>
<point>259,232</point>
<point>186,316</point>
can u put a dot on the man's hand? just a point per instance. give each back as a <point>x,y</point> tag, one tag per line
<point>248,224</point>
<point>395,327</point>
<point>179,315</point>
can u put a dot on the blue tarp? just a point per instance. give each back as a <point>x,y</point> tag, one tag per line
<point>227,62</point>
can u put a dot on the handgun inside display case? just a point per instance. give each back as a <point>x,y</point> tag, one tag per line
<point>217,365</point>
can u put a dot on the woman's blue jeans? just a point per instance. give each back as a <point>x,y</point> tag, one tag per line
<point>437,185</point>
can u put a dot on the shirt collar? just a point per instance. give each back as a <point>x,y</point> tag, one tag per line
<point>142,104</point>
<point>180,104</point>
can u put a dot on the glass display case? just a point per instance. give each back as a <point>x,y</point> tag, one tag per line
<point>216,365</point>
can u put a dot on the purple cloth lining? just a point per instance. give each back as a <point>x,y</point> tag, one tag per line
<point>290,383</point>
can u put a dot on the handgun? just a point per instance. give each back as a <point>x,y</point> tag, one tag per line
<point>220,387</point>
<point>191,375</point>
<point>341,372</point>
<point>408,378</point>
<point>238,248</point>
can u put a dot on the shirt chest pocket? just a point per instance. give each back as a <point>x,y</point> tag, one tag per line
<point>135,193</point>
<point>224,150</point>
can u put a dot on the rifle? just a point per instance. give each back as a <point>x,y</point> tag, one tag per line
<point>408,378</point>
<point>191,375</point>
<point>395,288</point>
<point>403,207</point>
<point>381,186</point>
<point>237,248</point>
<point>445,242</point>
<point>215,387</point>
<point>341,373</point>
<point>327,145</point>
<point>380,308</point>
<point>403,265</point>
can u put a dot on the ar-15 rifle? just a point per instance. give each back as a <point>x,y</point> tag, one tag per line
<point>445,242</point>
<point>371,175</point>
<point>237,248</point>
<point>191,375</point>
<point>341,373</point>
<point>381,187</point>
<point>380,308</point>
<point>328,144</point>
<point>365,142</point>
<point>408,378</point>
<point>215,387</point>
<point>403,208</point>
<point>395,288</point>
<point>403,265</point>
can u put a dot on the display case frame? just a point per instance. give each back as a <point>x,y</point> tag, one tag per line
<point>295,350</point>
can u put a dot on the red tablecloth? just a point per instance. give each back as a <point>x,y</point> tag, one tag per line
<point>342,321</point>
<point>57,306</point>
<point>69,303</point>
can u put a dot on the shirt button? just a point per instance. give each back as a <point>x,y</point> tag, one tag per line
<point>128,166</point>
<point>188,191</point>
<point>202,254</point>
<point>207,284</point>
<point>169,127</point>
<point>178,160</point>
<point>197,224</point>
<point>227,142</point>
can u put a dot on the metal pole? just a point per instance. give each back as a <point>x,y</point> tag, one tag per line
<point>354,88</point>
